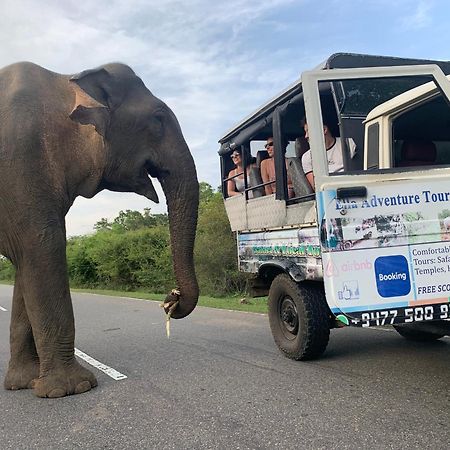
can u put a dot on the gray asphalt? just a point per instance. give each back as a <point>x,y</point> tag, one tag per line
<point>219,382</point>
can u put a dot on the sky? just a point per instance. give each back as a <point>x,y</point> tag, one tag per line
<point>212,62</point>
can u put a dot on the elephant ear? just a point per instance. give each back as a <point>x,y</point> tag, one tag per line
<point>93,99</point>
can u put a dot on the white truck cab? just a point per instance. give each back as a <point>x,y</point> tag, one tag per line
<point>368,245</point>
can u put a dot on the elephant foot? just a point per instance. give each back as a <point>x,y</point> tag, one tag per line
<point>64,380</point>
<point>21,375</point>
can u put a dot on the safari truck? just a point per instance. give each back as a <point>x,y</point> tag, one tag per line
<point>368,245</point>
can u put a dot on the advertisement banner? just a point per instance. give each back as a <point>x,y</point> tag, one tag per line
<point>293,248</point>
<point>386,257</point>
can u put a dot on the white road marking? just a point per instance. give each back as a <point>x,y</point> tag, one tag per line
<point>113,373</point>
<point>3,309</point>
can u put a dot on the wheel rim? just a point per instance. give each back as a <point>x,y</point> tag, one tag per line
<point>288,318</point>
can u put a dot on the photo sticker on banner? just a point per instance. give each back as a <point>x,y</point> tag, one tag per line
<point>392,276</point>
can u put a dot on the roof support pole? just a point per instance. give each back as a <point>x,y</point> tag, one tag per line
<point>280,151</point>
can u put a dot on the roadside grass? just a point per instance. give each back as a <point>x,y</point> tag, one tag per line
<point>256,305</point>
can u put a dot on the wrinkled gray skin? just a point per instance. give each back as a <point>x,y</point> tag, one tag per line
<point>60,137</point>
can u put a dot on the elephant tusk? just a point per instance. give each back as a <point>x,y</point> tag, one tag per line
<point>169,315</point>
<point>169,305</point>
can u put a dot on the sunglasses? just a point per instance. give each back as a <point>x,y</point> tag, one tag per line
<point>269,144</point>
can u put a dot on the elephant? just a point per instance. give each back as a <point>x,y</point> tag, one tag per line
<point>63,136</point>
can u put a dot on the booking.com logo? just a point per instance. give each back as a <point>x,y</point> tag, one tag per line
<point>392,276</point>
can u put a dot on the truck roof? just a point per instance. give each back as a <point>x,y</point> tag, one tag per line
<point>293,93</point>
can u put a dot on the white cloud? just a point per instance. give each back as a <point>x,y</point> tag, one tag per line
<point>420,18</point>
<point>212,62</point>
<point>190,54</point>
<point>85,213</point>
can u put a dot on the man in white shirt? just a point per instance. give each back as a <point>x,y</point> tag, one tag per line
<point>334,154</point>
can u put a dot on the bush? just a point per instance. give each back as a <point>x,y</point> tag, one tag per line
<point>215,250</point>
<point>133,252</point>
<point>81,268</point>
<point>7,271</point>
<point>127,260</point>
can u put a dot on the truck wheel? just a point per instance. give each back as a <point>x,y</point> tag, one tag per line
<point>414,333</point>
<point>298,317</point>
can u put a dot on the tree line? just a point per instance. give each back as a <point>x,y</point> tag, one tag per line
<point>132,252</point>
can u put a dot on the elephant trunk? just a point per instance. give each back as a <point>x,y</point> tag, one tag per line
<point>182,193</point>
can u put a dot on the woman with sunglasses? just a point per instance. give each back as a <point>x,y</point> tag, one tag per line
<point>236,184</point>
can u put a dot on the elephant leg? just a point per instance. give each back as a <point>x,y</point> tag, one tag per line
<point>24,362</point>
<point>49,308</point>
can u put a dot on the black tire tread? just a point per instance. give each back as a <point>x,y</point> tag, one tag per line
<point>309,298</point>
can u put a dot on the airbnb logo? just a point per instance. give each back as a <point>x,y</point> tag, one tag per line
<point>331,269</point>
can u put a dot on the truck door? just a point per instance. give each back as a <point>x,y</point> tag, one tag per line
<point>385,230</point>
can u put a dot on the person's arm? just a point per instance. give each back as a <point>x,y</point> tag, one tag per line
<point>265,176</point>
<point>307,168</point>
<point>231,186</point>
<point>310,178</point>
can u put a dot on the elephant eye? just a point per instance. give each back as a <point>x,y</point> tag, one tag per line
<point>157,124</point>
<point>158,121</point>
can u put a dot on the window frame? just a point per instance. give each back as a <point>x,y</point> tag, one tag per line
<point>310,84</point>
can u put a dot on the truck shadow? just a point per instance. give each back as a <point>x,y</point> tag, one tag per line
<point>374,343</point>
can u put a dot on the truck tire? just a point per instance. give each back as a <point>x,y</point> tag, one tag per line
<point>298,317</point>
<point>414,333</point>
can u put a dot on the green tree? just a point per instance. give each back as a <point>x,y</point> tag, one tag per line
<point>132,220</point>
<point>136,259</point>
<point>215,248</point>
<point>133,251</point>
<point>81,268</point>
<point>103,224</point>
<point>7,271</point>
<point>206,193</point>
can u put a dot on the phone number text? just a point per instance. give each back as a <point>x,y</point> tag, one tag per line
<point>405,315</point>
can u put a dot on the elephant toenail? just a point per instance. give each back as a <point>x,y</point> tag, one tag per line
<point>84,386</point>
<point>56,393</point>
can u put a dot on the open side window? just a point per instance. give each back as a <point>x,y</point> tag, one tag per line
<point>284,125</point>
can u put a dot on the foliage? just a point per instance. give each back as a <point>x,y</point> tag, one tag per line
<point>132,220</point>
<point>122,259</point>
<point>132,252</point>
<point>82,269</point>
<point>206,193</point>
<point>215,248</point>
<point>7,271</point>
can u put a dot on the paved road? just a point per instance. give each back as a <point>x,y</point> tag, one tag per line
<point>220,383</point>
